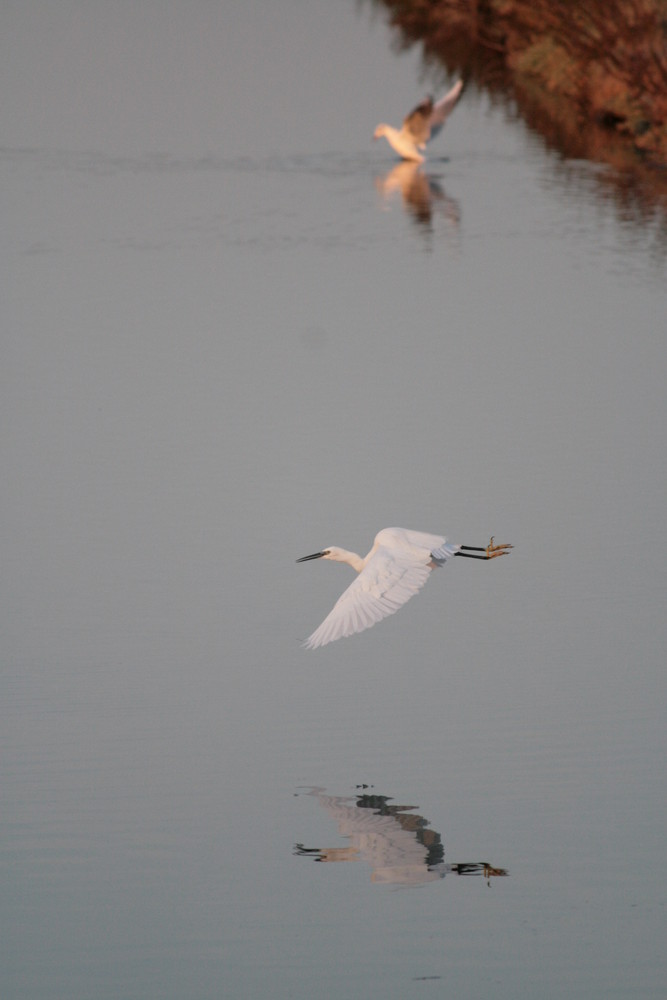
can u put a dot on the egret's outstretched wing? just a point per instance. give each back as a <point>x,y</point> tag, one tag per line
<point>389,579</point>
<point>434,547</point>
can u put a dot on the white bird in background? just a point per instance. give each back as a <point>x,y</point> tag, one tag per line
<point>421,125</point>
<point>394,570</point>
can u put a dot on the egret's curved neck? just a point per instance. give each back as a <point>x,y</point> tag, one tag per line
<point>351,558</point>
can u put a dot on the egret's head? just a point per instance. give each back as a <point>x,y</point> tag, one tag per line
<point>332,552</point>
<point>324,554</point>
<point>338,555</point>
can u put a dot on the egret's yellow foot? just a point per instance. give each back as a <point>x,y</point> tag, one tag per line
<point>497,550</point>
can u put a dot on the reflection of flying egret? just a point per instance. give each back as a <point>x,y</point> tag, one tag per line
<point>399,844</point>
<point>394,570</point>
<point>420,126</point>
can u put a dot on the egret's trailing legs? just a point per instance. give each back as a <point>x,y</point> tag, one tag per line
<point>490,552</point>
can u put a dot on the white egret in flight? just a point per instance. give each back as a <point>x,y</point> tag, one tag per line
<point>420,126</point>
<point>394,570</point>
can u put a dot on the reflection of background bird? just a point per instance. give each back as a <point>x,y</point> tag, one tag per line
<point>395,569</point>
<point>396,842</point>
<point>420,193</point>
<point>420,126</point>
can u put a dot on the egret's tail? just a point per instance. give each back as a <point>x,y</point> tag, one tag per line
<point>444,552</point>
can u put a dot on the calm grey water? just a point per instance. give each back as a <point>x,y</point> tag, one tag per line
<point>234,334</point>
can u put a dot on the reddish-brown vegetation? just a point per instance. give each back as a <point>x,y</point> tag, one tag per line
<point>598,67</point>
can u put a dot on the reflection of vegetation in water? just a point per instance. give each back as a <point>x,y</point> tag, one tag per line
<point>591,77</point>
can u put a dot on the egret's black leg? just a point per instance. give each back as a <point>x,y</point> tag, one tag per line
<point>490,552</point>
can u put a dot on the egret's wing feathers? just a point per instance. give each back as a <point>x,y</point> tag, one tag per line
<point>387,581</point>
<point>435,547</point>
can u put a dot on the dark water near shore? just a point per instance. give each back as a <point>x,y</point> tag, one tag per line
<point>236,332</point>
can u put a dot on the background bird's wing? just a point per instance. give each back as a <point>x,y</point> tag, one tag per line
<point>444,106</point>
<point>417,124</point>
<point>388,580</point>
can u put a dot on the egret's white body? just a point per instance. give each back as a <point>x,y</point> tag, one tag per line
<point>395,569</point>
<point>420,126</point>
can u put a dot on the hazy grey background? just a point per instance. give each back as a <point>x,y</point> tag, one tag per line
<point>224,348</point>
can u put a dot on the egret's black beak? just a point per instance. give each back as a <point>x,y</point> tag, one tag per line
<point>315,555</point>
